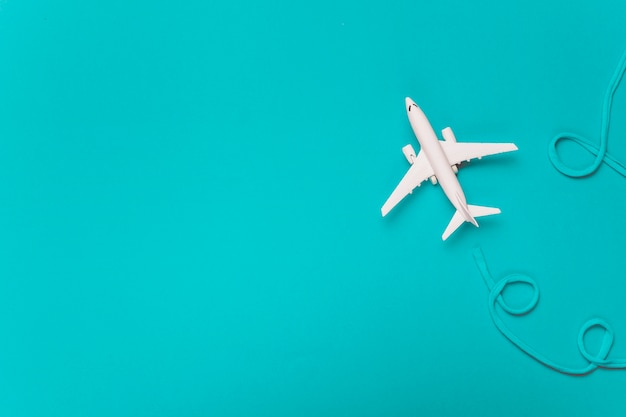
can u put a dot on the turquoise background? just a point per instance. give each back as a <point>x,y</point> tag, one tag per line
<point>190,201</point>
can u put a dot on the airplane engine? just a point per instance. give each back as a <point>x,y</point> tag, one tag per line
<point>433,180</point>
<point>448,135</point>
<point>409,154</point>
<point>455,169</point>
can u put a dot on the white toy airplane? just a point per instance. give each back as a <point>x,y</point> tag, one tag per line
<point>438,161</point>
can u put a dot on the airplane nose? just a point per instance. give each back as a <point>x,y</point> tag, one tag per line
<point>409,103</point>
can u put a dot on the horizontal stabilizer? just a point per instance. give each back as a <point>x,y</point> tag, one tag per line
<point>475,211</point>
<point>481,211</point>
<point>454,224</point>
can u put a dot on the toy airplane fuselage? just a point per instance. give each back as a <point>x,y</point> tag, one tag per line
<point>438,161</point>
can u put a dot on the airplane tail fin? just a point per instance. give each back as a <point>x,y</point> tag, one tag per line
<point>474,211</point>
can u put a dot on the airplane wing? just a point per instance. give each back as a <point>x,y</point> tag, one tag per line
<point>418,173</point>
<point>463,151</point>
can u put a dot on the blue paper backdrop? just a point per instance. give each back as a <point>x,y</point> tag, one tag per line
<point>190,201</point>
